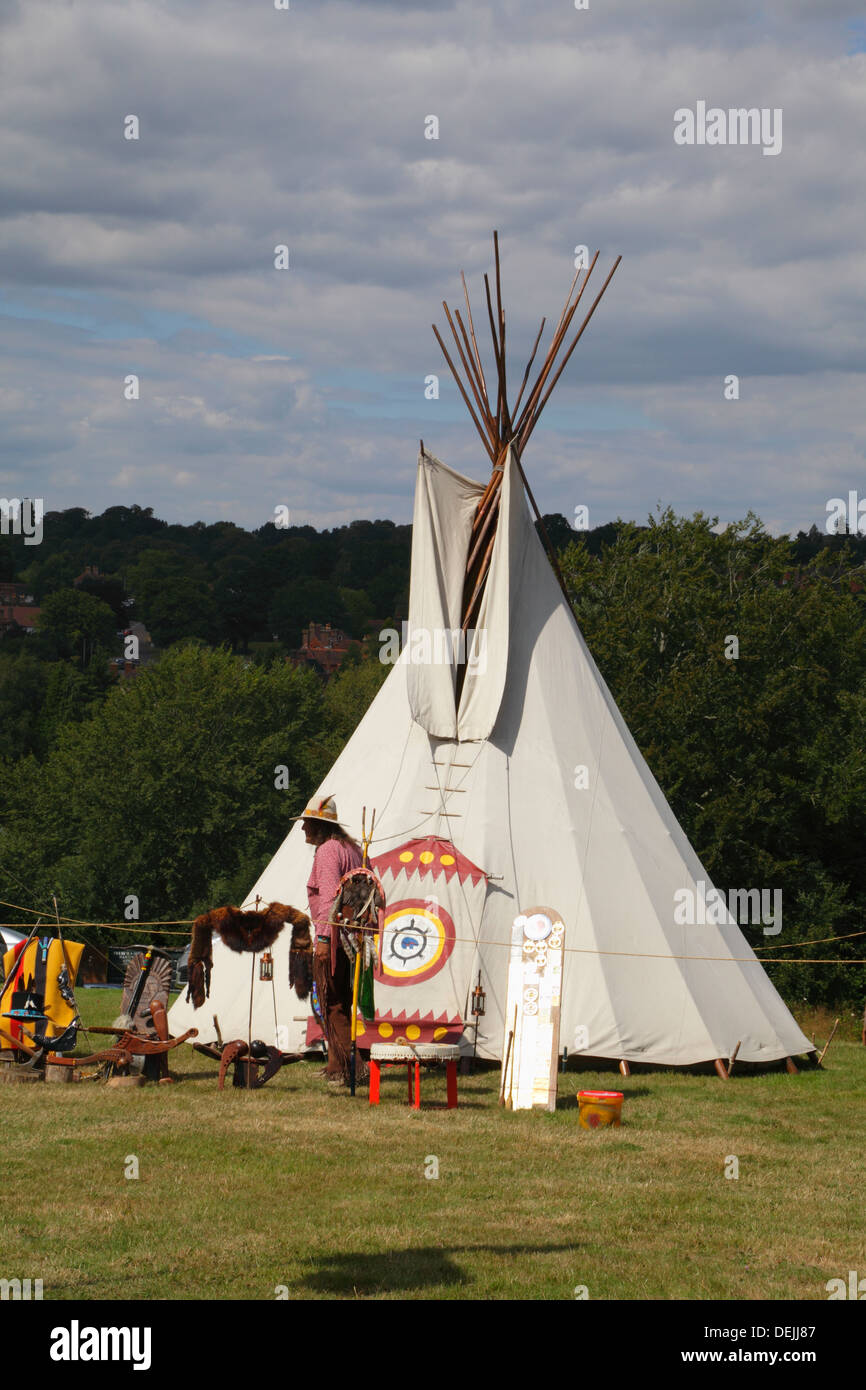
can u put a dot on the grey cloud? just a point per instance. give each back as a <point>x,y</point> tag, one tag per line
<point>306,127</point>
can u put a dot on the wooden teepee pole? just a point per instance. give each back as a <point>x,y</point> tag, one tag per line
<point>477,542</point>
<point>470,377</point>
<point>502,428</point>
<point>529,366</point>
<point>472,334</point>
<point>479,585</point>
<point>495,336</point>
<point>534,421</point>
<point>479,376</point>
<point>477,423</point>
<point>559,335</point>
<point>506,418</point>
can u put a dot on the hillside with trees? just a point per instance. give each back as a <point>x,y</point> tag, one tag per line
<point>177,783</point>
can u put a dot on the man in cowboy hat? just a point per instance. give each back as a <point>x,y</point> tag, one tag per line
<point>336,854</point>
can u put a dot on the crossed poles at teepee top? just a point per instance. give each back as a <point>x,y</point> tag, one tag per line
<point>502,427</point>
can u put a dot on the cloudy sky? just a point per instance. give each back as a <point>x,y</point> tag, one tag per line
<point>306,127</point>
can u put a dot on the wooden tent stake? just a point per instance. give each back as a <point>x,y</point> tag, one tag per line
<point>508,1050</point>
<point>828,1042</point>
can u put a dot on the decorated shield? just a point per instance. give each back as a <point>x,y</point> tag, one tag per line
<point>428,944</point>
<point>156,987</point>
<point>428,948</point>
<point>40,977</point>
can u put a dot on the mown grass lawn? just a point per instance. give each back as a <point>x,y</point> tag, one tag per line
<point>293,1186</point>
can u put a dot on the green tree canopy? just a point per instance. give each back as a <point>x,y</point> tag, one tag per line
<point>303,601</point>
<point>76,626</point>
<point>168,789</point>
<point>743,680</point>
<point>173,597</point>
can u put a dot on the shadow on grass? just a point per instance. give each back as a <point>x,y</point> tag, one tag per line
<point>361,1274</point>
<point>389,1100</point>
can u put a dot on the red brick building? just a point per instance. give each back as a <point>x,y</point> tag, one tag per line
<point>322,647</point>
<point>17,608</point>
<point>89,572</point>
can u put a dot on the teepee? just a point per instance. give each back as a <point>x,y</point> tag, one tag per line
<point>504,777</point>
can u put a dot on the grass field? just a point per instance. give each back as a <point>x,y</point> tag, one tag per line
<point>292,1186</point>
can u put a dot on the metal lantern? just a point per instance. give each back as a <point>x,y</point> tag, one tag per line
<point>479,1000</point>
<point>266,966</point>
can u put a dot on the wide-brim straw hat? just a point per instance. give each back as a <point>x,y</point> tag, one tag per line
<point>325,809</point>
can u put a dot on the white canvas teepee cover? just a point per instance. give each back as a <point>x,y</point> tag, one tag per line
<point>497,779</point>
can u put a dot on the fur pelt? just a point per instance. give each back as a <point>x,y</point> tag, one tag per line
<point>240,931</point>
<point>301,958</point>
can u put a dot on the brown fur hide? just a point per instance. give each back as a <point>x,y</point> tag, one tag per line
<point>301,958</point>
<point>240,931</point>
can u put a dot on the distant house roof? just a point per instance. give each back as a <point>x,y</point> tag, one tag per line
<point>322,646</point>
<point>20,615</point>
<point>89,572</point>
<point>321,636</point>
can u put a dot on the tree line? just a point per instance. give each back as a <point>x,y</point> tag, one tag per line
<point>219,583</point>
<point>738,661</point>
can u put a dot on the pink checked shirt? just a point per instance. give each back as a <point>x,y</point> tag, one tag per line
<point>332,859</point>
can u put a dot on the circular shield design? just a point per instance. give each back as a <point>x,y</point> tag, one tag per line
<point>417,939</point>
<point>537,927</point>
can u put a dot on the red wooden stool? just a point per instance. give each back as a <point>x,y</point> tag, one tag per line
<point>412,1057</point>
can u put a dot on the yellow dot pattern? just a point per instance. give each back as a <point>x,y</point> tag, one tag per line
<point>426,856</point>
<point>411,1032</point>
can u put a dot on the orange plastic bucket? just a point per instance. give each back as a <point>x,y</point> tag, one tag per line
<point>597,1108</point>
